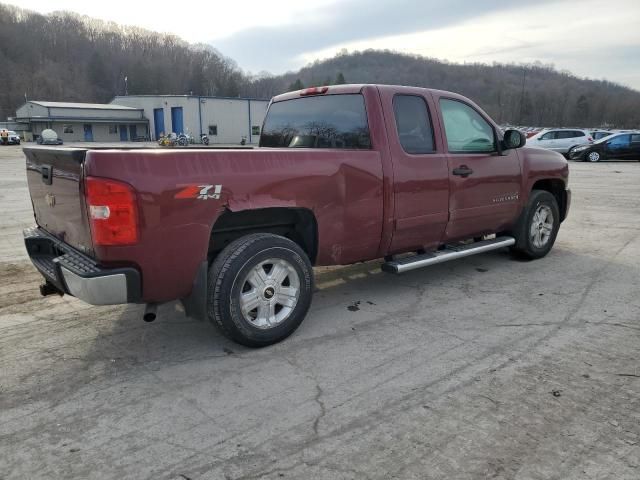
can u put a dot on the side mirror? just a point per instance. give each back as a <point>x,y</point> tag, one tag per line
<point>513,139</point>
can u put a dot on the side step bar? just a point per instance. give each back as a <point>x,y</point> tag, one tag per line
<point>451,252</point>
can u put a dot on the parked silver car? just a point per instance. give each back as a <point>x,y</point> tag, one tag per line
<point>560,140</point>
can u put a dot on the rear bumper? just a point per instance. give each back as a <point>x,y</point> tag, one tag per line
<point>76,274</point>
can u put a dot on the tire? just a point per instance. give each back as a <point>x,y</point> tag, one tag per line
<point>592,156</point>
<point>260,269</point>
<point>533,240</point>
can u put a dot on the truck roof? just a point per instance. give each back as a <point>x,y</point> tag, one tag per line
<point>357,88</point>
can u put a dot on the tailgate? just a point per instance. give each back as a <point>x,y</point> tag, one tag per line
<point>55,177</point>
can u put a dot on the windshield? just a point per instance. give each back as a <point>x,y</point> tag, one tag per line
<point>330,121</point>
<point>608,138</point>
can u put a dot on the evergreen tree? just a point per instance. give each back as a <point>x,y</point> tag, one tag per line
<point>297,85</point>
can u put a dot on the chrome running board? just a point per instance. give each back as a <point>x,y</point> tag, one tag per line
<point>450,252</point>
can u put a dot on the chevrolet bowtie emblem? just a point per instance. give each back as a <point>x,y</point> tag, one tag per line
<point>50,199</point>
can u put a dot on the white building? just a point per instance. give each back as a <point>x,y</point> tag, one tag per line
<point>88,122</point>
<point>225,120</point>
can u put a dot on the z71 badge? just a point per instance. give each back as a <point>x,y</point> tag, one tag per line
<point>201,192</point>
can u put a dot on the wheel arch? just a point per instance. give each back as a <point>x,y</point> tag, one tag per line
<point>297,224</point>
<point>557,188</point>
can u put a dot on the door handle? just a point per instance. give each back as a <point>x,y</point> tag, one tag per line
<point>47,174</point>
<point>462,171</point>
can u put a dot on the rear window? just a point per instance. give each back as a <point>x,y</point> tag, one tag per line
<point>330,121</point>
<point>413,124</point>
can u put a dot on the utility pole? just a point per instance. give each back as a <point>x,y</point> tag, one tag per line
<point>524,77</point>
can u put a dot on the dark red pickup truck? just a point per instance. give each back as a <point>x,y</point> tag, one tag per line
<point>343,174</point>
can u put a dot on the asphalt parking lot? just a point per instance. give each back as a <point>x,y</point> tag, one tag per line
<point>487,367</point>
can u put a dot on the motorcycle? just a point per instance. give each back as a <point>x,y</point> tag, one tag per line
<point>168,140</point>
<point>183,140</point>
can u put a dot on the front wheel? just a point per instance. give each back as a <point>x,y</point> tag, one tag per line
<point>538,225</point>
<point>260,289</point>
<point>593,156</point>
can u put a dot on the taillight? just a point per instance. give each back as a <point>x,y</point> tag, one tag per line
<point>314,91</point>
<point>589,139</point>
<point>113,214</point>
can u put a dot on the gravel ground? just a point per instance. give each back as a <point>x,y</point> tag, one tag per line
<point>487,367</point>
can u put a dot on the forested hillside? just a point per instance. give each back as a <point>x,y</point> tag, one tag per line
<point>517,94</point>
<point>68,57</point>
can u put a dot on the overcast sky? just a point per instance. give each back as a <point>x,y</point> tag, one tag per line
<point>592,38</point>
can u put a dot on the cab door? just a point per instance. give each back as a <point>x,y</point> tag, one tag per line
<point>420,171</point>
<point>546,140</point>
<point>619,147</point>
<point>484,184</point>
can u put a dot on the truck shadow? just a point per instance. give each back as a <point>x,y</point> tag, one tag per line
<point>356,296</point>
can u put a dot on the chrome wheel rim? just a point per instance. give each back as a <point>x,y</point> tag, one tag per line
<point>594,156</point>
<point>541,226</point>
<point>269,293</point>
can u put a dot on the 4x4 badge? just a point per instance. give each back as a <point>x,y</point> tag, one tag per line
<point>201,192</point>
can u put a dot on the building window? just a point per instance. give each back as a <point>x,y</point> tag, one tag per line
<point>67,129</point>
<point>213,129</point>
<point>113,129</point>
<point>255,130</point>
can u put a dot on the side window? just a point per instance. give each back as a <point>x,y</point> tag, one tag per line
<point>465,128</point>
<point>577,134</point>
<point>548,136</point>
<point>413,124</point>
<point>635,138</point>
<point>619,142</point>
<point>564,134</point>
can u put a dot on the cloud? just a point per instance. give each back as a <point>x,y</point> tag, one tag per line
<point>280,47</point>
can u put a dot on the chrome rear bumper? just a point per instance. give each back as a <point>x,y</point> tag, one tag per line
<point>76,274</point>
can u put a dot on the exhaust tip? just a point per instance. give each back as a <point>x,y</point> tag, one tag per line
<point>149,314</point>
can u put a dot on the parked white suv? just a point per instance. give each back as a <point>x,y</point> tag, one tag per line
<point>560,140</point>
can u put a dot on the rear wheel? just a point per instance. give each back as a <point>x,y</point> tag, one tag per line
<point>260,289</point>
<point>538,225</point>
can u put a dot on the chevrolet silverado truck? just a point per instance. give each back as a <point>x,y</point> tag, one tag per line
<point>343,174</point>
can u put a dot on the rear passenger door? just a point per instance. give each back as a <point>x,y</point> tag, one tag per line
<point>565,139</point>
<point>484,185</point>
<point>420,172</point>
<point>619,147</point>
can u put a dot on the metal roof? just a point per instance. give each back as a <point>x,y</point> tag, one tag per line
<point>90,106</point>
<point>213,97</point>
